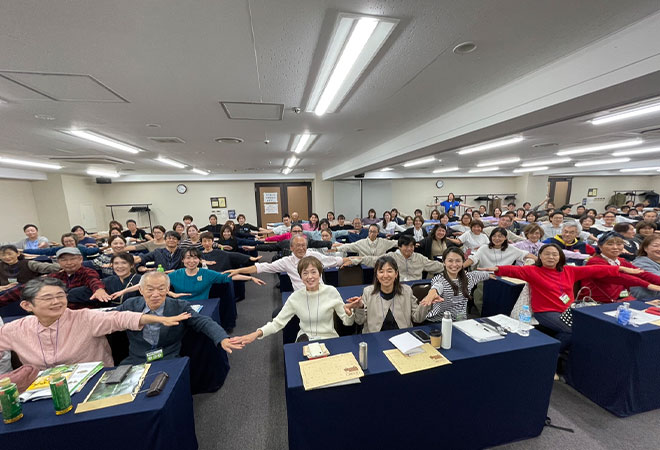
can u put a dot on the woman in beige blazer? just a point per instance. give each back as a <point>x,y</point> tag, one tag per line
<point>388,304</point>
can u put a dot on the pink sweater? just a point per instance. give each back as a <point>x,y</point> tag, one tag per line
<point>77,336</point>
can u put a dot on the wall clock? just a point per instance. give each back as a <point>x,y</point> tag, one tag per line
<point>439,184</point>
<point>182,188</point>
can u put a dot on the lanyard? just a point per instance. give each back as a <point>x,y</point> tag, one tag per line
<point>318,294</point>
<point>57,338</point>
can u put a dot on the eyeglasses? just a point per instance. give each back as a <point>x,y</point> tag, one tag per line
<point>51,298</point>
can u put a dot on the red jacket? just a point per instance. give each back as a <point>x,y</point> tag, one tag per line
<point>547,285</point>
<point>607,290</point>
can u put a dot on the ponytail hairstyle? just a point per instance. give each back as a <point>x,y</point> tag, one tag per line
<point>462,275</point>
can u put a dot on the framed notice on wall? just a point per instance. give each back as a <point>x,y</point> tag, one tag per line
<point>218,202</point>
<point>271,208</point>
<point>270,197</point>
<point>592,192</point>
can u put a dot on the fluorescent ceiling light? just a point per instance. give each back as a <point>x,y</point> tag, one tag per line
<point>287,170</point>
<point>530,169</point>
<point>386,169</point>
<point>510,140</point>
<point>103,140</point>
<point>20,162</point>
<point>171,162</point>
<point>302,142</point>
<point>487,169</point>
<point>419,162</point>
<point>545,162</point>
<point>446,169</point>
<point>200,171</point>
<point>102,173</point>
<point>601,147</point>
<point>499,161</point>
<point>627,113</point>
<point>639,151</point>
<point>354,43</point>
<point>292,161</point>
<point>599,162</point>
<point>640,169</point>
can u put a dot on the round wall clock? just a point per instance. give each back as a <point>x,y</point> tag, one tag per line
<point>182,188</point>
<point>439,184</point>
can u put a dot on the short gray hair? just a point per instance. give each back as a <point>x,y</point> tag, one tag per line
<point>293,239</point>
<point>32,287</point>
<point>148,275</point>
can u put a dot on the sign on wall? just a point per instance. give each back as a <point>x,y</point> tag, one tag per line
<point>592,192</point>
<point>271,208</point>
<point>218,202</point>
<point>270,197</point>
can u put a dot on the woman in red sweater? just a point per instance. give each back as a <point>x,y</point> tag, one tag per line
<point>608,290</point>
<point>551,286</point>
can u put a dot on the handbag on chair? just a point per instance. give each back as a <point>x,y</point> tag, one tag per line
<point>587,300</point>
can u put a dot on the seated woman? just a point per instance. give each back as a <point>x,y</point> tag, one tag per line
<point>463,226</point>
<point>435,244</point>
<point>472,239</point>
<point>531,217</point>
<point>102,262</point>
<point>221,260</point>
<point>409,222</point>
<point>387,304</point>
<point>498,252</point>
<point>605,290</point>
<point>551,286</point>
<point>388,226</point>
<point>417,231</point>
<point>435,215</point>
<point>68,240</point>
<point>607,222</point>
<point>532,244</point>
<point>197,281</point>
<point>331,218</point>
<point>324,224</point>
<point>245,230</point>
<point>451,290</point>
<point>193,240</point>
<point>213,226</point>
<point>158,232</point>
<point>643,230</point>
<point>124,277</point>
<point>371,218</point>
<point>395,217</point>
<point>313,305</point>
<point>55,334</point>
<point>15,269</point>
<point>313,223</point>
<point>630,245</point>
<point>83,237</point>
<point>649,260</point>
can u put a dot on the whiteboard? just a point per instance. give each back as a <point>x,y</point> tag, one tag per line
<point>376,194</point>
<point>347,198</point>
<point>87,216</point>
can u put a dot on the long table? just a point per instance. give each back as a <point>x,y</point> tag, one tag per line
<point>500,296</point>
<point>492,393</point>
<point>617,367</point>
<point>164,421</point>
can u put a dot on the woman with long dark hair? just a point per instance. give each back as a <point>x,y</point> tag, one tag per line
<point>371,218</point>
<point>313,224</point>
<point>387,304</point>
<point>435,244</point>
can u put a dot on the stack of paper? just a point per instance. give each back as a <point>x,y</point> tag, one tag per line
<point>636,317</point>
<point>331,371</point>
<point>477,331</point>
<point>77,375</point>
<point>508,323</point>
<point>428,358</point>
<point>407,343</point>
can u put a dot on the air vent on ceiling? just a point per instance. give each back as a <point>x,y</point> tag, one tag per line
<point>59,87</point>
<point>229,140</point>
<point>167,140</point>
<point>90,159</point>
<point>253,111</point>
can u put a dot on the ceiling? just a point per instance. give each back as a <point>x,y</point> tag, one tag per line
<point>170,63</point>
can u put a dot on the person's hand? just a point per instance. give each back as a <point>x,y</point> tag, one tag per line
<point>8,286</point>
<point>487,269</point>
<point>258,281</point>
<point>114,295</point>
<point>630,271</point>
<point>178,294</point>
<point>231,272</point>
<point>332,249</point>
<point>106,265</point>
<point>249,248</point>
<point>208,263</point>
<point>354,302</point>
<point>336,244</point>
<point>255,258</point>
<point>431,297</point>
<point>247,339</point>
<point>101,295</point>
<point>174,320</point>
<point>653,287</point>
<point>227,248</point>
<point>230,344</point>
<point>348,262</point>
<point>91,245</point>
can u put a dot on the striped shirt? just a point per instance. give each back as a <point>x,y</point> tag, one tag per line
<point>455,304</point>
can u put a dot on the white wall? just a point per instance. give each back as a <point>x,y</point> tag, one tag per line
<point>51,205</point>
<point>18,208</point>
<point>322,196</point>
<point>85,203</point>
<point>606,186</point>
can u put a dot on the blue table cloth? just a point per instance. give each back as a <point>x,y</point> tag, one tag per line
<point>161,422</point>
<point>492,393</point>
<point>617,367</point>
<point>500,296</point>
<point>227,306</point>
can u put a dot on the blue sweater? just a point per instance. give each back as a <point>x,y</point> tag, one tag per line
<point>198,285</point>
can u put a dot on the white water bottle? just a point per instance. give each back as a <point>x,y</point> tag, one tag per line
<point>446,330</point>
<point>525,319</point>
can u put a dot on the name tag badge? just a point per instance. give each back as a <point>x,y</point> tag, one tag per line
<point>155,355</point>
<point>199,278</point>
<point>624,293</point>
<point>564,298</point>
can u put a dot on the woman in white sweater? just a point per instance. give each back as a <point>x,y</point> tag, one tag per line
<point>388,304</point>
<point>313,305</point>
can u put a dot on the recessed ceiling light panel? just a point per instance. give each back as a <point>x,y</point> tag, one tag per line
<point>465,48</point>
<point>497,143</point>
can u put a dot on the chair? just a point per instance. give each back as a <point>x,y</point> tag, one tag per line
<point>421,290</point>
<point>350,276</point>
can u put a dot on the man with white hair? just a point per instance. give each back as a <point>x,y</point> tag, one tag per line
<point>150,344</point>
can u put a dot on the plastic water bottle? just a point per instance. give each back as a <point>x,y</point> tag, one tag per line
<point>524,319</point>
<point>160,268</point>
<point>446,330</point>
<point>624,313</point>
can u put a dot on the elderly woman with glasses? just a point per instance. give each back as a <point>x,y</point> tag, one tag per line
<point>56,335</point>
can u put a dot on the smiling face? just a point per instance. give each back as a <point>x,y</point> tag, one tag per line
<point>154,290</point>
<point>549,257</point>
<point>534,236</point>
<point>31,233</point>
<point>453,263</point>
<point>569,233</point>
<point>587,222</point>
<point>193,232</point>
<point>70,263</point>
<point>171,243</point>
<point>373,233</point>
<point>440,233</point>
<point>48,305</point>
<point>653,250</point>
<point>418,222</point>
<point>226,234</point>
<point>407,250</point>
<point>9,257</point>
<point>386,276</point>
<point>505,222</point>
<point>556,220</point>
<point>158,234</point>
<point>387,217</point>
<point>190,261</point>
<point>207,244</point>
<point>609,219</point>
<point>298,246</point>
<point>497,239</point>
<point>612,248</point>
<point>311,277</point>
<point>68,241</point>
<point>121,268</point>
<point>326,235</point>
<point>117,246</point>
<point>80,233</point>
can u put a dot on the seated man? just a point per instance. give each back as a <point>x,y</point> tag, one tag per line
<point>221,260</point>
<point>55,335</point>
<point>371,246</point>
<point>134,232</point>
<point>149,343</point>
<point>67,240</point>
<point>553,228</point>
<point>411,264</point>
<point>169,257</point>
<point>506,222</point>
<point>32,240</point>
<point>568,242</point>
<point>342,225</point>
<point>83,284</point>
<point>282,243</point>
<point>289,264</point>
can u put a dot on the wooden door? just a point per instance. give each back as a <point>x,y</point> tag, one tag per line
<point>560,191</point>
<point>298,200</point>
<point>269,203</point>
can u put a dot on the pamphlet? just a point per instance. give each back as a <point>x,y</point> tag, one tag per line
<point>428,358</point>
<point>77,376</point>
<point>104,395</point>
<point>407,343</point>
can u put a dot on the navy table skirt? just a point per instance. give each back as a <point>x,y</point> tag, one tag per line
<point>616,367</point>
<point>492,393</point>
<point>164,421</point>
<point>500,296</point>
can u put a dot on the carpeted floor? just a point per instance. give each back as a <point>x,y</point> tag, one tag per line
<point>249,412</point>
